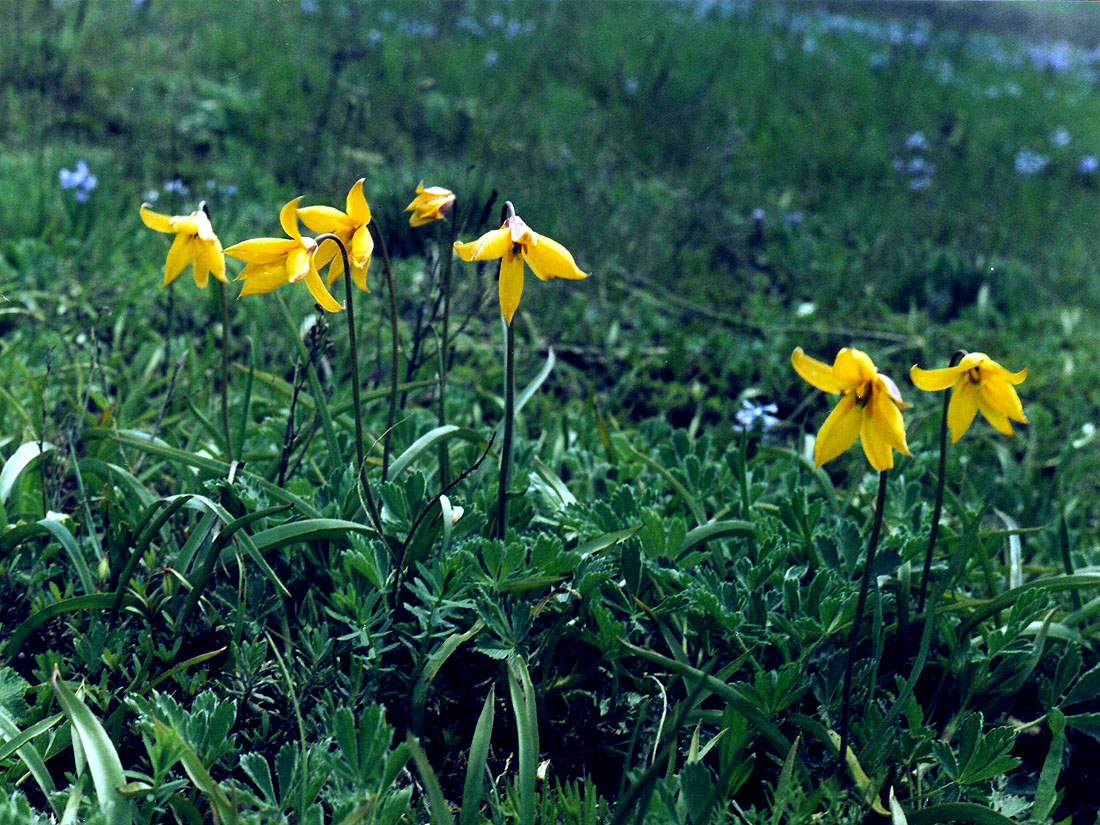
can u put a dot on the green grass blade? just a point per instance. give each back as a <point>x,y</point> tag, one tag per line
<point>474,787</point>
<point>429,440</point>
<point>200,777</point>
<point>92,601</point>
<point>18,742</point>
<point>434,664</point>
<point>715,530</point>
<point>144,537</point>
<point>17,464</point>
<point>72,549</point>
<point>437,805</point>
<point>103,761</point>
<point>958,812</point>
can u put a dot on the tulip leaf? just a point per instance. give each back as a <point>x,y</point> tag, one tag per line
<point>474,787</point>
<point>715,530</point>
<point>957,812</point>
<point>430,438</point>
<point>20,460</point>
<point>103,761</point>
<point>91,601</point>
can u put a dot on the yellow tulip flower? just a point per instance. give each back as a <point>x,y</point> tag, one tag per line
<point>980,384</point>
<point>351,228</point>
<point>515,243</point>
<point>430,204</point>
<point>272,262</point>
<point>195,244</point>
<point>869,409</point>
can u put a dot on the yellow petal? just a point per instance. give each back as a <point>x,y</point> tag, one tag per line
<point>361,247</point>
<point>875,447</point>
<point>320,294</point>
<point>262,250</point>
<point>322,219</point>
<point>935,380</point>
<point>494,244</point>
<point>549,259</point>
<point>209,258</point>
<point>814,372</point>
<point>329,251</point>
<point>181,253</point>
<point>963,407</point>
<point>298,264</point>
<point>511,284</point>
<point>155,220</point>
<point>999,422</point>
<point>882,420</point>
<point>853,367</point>
<point>1015,377</point>
<point>358,210</point>
<point>260,278</point>
<point>839,432</point>
<point>217,260</point>
<point>1000,396</point>
<point>200,269</point>
<point>288,219</point>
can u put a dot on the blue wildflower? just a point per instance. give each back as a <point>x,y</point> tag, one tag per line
<point>755,417</point>
<point>80,179</point>
<point>1030,162</point>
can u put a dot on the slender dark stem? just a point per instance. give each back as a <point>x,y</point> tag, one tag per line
<point>445,351</point>
<point>360,456</point>
<point>861,601</point>
<point>356,395</point>
<point>392,415</point>
<point>225,371</point>
<point>937,509</point>
<point>509,426</point>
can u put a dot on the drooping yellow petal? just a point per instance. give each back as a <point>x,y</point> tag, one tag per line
<point>963,407</point>
<point>261,278</point>
<point>493,244</point>
<point>183,249</point>
<point>1015,377</point>
<point>549,259</point>
<point>288,219</point>
<point>298,264</point>
<point>361,247</point>
<point>261,250</point>
<point>1000,396</point>
<point>216,259</point>
<point>329,251</point>
<point>814,372</point>
<point>358,210</point>
<point>200,267</point>
<point>853,367</point>
<point>875,447</point>
<point>839,432</point>
<point>882,417</point>
<point>320,294</point>
<point>935,380</point>
<point>999,422</point>
<point>155,220</point>
<point>511,284</point>
<point>322,219</point>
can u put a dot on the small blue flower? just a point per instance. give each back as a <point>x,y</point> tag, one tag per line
<point>491,58</point>
<point>177,186</point>
<point>309,7</point>
<point>1060,136</point>
<point>80,179</point>
<point>755,417</point>
<point>1088,166</point>
<point>793,220</point>
<point>1030,162</point>
<point>916,142</point>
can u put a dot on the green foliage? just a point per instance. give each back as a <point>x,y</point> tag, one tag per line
<point>661,636</point>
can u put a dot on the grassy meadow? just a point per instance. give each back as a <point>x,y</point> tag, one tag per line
<point>214,611</point>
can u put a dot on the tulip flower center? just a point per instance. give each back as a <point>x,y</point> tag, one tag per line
<point>863,393</point>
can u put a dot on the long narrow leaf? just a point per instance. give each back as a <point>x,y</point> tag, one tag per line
<point>103,761</point>
<point>474,787</point>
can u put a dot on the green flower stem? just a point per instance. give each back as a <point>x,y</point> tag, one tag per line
<point>445,351</point>
<point>392,415</point>
<point>937,509</point>
<point>509,427</point>
<point>861,602</point>
<point>320,403</point>
<point>356,391</point>
<point>225,371</point>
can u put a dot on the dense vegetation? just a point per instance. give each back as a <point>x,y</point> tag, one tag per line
<point>662,634</point>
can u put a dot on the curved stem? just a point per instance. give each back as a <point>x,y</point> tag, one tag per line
<point>356,393</point>
<point>509,427</point>
<point>225,373</point>
<point>445,351</point>
<point>392,416</point>
<point>937,509</point>
<point>853,639</point>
